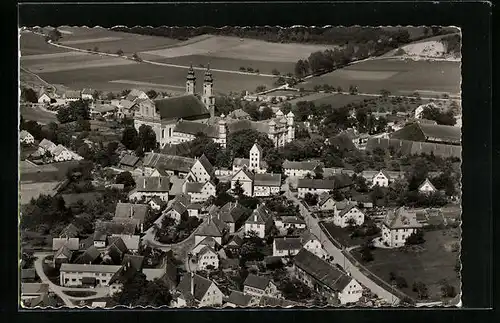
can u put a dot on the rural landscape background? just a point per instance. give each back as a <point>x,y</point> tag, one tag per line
<point>386,73</point>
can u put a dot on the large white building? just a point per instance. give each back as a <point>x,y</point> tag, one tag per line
<point>398,225</point>
<point>76,274</point>
<point>314,186</point>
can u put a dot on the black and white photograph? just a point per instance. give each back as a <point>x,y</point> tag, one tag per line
<point>240,167</point>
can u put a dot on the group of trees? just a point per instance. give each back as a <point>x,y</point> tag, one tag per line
<point>141,142</point>
<point>74,111</point>
<point>441,117</point>
<point>138,291</point>
<point>171,231</point>
<point>29,95</point>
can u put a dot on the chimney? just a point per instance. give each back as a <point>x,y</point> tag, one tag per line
<point>192,283</point>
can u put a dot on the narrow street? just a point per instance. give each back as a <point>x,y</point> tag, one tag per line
<point>338,257</point>
<point>59,290</point>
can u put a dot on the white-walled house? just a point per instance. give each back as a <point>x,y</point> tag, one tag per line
<point>427,187</point>
<point>286,246</point>
<point>46,146</point>
<point>26,138</point>
<point>259,222</point>
<point>75,274</point>
<point>382,179</point>
<point>206,258</point>
<point>44,98</point>
<point>351,211</point>
<point>196,290</point>
<point>260,286</point>
<point>283,223</point>
<point>202,170</point>
<point>326,202</point>
<point>301,169</point>
<point>312,244</point>
<point>398,225</point>
<point>266,184</point>
<point>314,186</point>
<point>199,192</point>
<point>245,178</point>
<point>212,227</point>
<point>61,153</point>
<point>149,187</point>
<point>326,279</point>
<point>256,164</point>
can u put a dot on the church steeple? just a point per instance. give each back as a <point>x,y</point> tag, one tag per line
<point>208,98</point>
<point>190,81</point>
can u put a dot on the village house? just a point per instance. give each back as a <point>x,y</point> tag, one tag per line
<point>64,249</point>
<point>44,97</point>
<point>382,179</point>
<point>129,162</point>
<point>239,114</point>
<point>156,164</point>
<point>136,94</point>
<point>125,108</point>
<point>259,222</point>
<point>26,138</point>
<point>207,242</point>
<point>72,275</point>
<point>259,286</point>
<point>427,187</point>
<point>234,244</point>
<point>284,223</point>
<point>90,256</point>
<point>132,242</point>
<point>46,146</point>
<point>302,169</point>
<point>254,164</point>
<point>199,192</point>
<point>149,187</point>
<point>186,131</point>
<point>178,208</point>
<point>196,290</point>
<point>268,301</point>
<point>314,186</point>
<point>156,203</point>
<point>233,214</point>
<point>326,202</point>
<point>311,243</point>
<point>349,214</point>
<point>398,225</point>
<point>35,294</point>
<point>429,133</point>
<point>71,96</point>
<point>87,94</point>
<point>104,229</point>
<point>266,184</point>
<point>202,170</point>
<point>329,281</point>
<point>212,227</point>
<point>245,178</point>
<point>239,299</point>
<point>207,258</point>
<point>286,246</point>
<point>136,213</point>
<point>115,251</point>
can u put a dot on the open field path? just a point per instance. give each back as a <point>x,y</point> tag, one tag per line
<point>38,77</point>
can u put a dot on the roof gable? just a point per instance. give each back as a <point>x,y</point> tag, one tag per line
<point>257,281</point>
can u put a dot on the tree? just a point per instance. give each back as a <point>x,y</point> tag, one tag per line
<point>267,113</point>
<point>29,95</point>
<point>376,194</point>
<point>119,52</point>
<point>301,68</point>
<point>76,110</point>
<point>136,57</point>
<point>353,89</point>
<point>130,138</point>
<point>147,138</point>
<point>54,35</point>
<point>260,88</point>
<point>240,142</point>
<point>415,238</point>
<point>126,179</point>
<point>151,94</point>
<point>311,199</point>
<point>448,290</point>
<point>366,254</point>
<point>275,72</point>
<point>421,289</point>
<point>238,189</point>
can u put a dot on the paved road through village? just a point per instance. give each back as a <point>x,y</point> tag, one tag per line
<point>338,257</point>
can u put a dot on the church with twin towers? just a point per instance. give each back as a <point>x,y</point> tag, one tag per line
<point>179,119</point>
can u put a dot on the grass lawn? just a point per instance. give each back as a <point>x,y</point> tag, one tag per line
<point>434,263</point>
<point>79,293</point>
<point>397,76</point>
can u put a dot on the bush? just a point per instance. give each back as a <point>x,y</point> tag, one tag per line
<point>119,52</point>
<point>415,238</point>
<point>448,291</point>
<point>401,282</point>
<point>421,289</point>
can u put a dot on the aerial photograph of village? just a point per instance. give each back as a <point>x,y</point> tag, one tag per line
<point>234,167</point>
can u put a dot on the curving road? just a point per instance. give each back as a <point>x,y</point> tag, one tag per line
<point>59,290</point>
<point>338,256</point>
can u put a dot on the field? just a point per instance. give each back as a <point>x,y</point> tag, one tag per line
<point>38,115</point>
<point>436,262</point>
<point>169,79</point>
<point>397,76</point>
<point>335,100</point>
<point>33,44</point>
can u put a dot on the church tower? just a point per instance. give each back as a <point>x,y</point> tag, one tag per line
<point>208,97</point>
<point>291,127</point>
<point>190,81</point>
